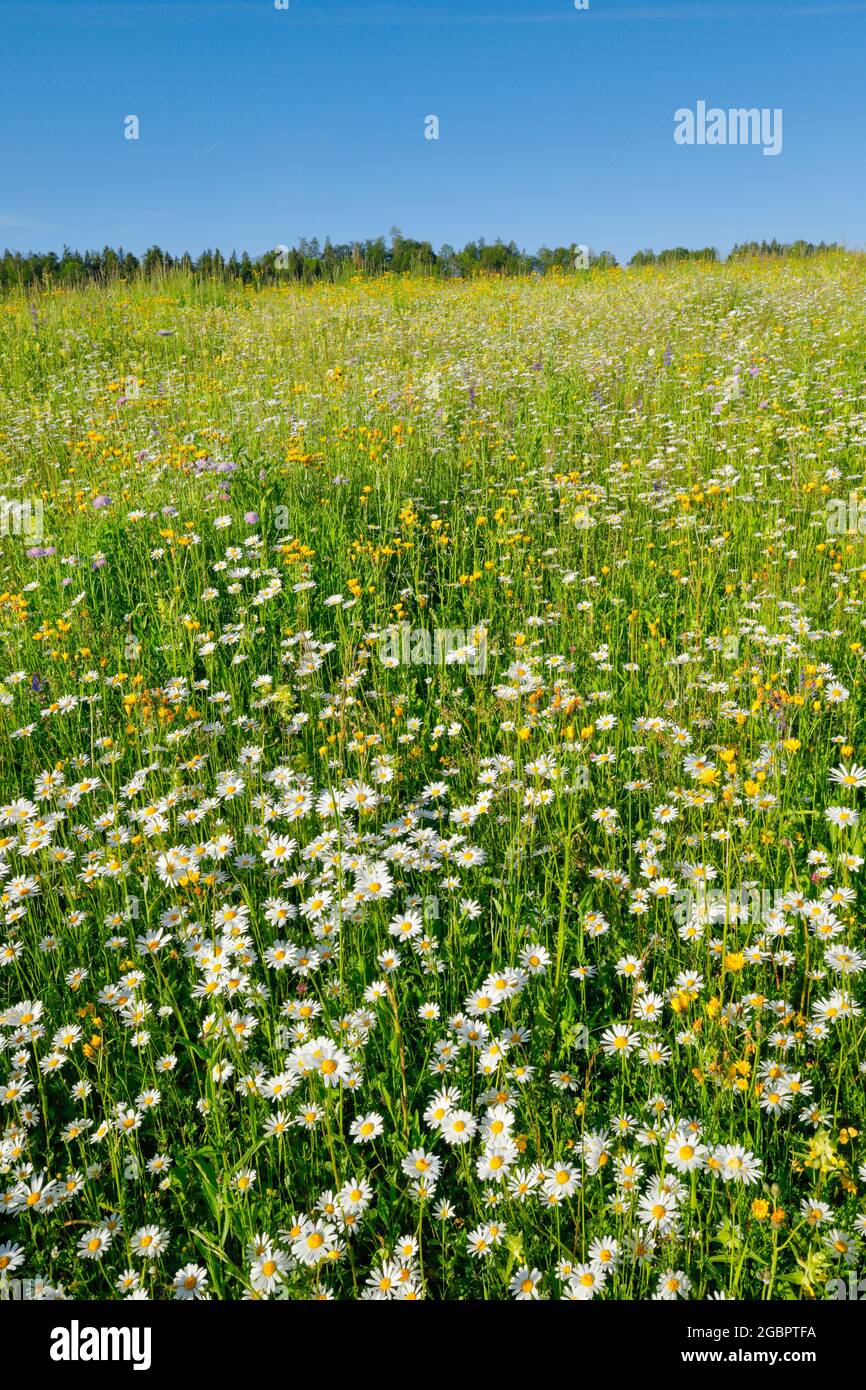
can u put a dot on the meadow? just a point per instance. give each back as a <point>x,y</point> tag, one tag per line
<point>430,750</point>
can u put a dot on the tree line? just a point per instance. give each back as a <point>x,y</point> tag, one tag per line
<point>309,261</point>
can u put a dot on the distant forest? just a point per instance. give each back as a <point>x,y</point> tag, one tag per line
<point>309,261</point>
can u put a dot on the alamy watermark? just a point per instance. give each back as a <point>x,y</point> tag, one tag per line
<point>77,1343</point>
<point>18,1290</point>
<point>853,1288</point>
<point>28,1290</point>
<point>23,519</point>
<point>846,517</point>
<point>737,126</point>
<point>721,904</point>
<point>404,645</point>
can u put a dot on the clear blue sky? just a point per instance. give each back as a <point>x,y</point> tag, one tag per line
<point>258,126</point>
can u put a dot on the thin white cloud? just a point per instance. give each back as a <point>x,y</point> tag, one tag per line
<point>201,154</point>
<point>22,223</point>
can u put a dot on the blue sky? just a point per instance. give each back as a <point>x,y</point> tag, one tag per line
<point>258,125</point>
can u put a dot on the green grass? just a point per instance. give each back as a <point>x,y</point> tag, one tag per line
<point>622,482</point>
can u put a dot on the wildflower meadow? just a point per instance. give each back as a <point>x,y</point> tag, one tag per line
<point>431,757</point>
